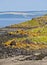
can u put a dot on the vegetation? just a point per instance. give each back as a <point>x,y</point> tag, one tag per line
<point>31,34</point>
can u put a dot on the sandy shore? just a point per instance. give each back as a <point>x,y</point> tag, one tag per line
<point>13,61</point>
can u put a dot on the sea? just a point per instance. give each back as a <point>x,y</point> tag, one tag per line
<point>10,18</point>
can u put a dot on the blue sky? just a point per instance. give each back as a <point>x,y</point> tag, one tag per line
<point>23,5</point>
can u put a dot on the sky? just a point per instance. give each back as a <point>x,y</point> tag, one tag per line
<point>23,5</point>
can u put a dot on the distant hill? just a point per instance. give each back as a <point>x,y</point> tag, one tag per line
<point>21,14</point>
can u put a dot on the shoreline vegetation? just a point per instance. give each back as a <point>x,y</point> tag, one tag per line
<point>28,39</point>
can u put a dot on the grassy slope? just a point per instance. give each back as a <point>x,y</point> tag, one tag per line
<point>34,22</point>
<point>36,35</point>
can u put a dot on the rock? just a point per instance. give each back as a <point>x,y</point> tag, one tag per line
<point>45,58</point>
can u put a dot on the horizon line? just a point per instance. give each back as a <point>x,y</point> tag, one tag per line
<point>22,10</point>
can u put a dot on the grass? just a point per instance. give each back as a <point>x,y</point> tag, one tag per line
<point>40,39</point>
<point>37,34</point>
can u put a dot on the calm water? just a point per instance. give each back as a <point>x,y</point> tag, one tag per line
<point>7,22</point>
<point>9,19</point>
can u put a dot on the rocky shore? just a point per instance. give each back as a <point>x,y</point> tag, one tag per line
<point>6,52</point>
<point>24,43</point>
<point>18,60</point>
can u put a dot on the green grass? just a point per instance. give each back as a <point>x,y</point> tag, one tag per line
<point>40,27</point>
<point>40,39</point>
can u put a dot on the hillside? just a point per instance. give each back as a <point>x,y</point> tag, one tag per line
<point>25,37</point>
<point>39,21</point>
